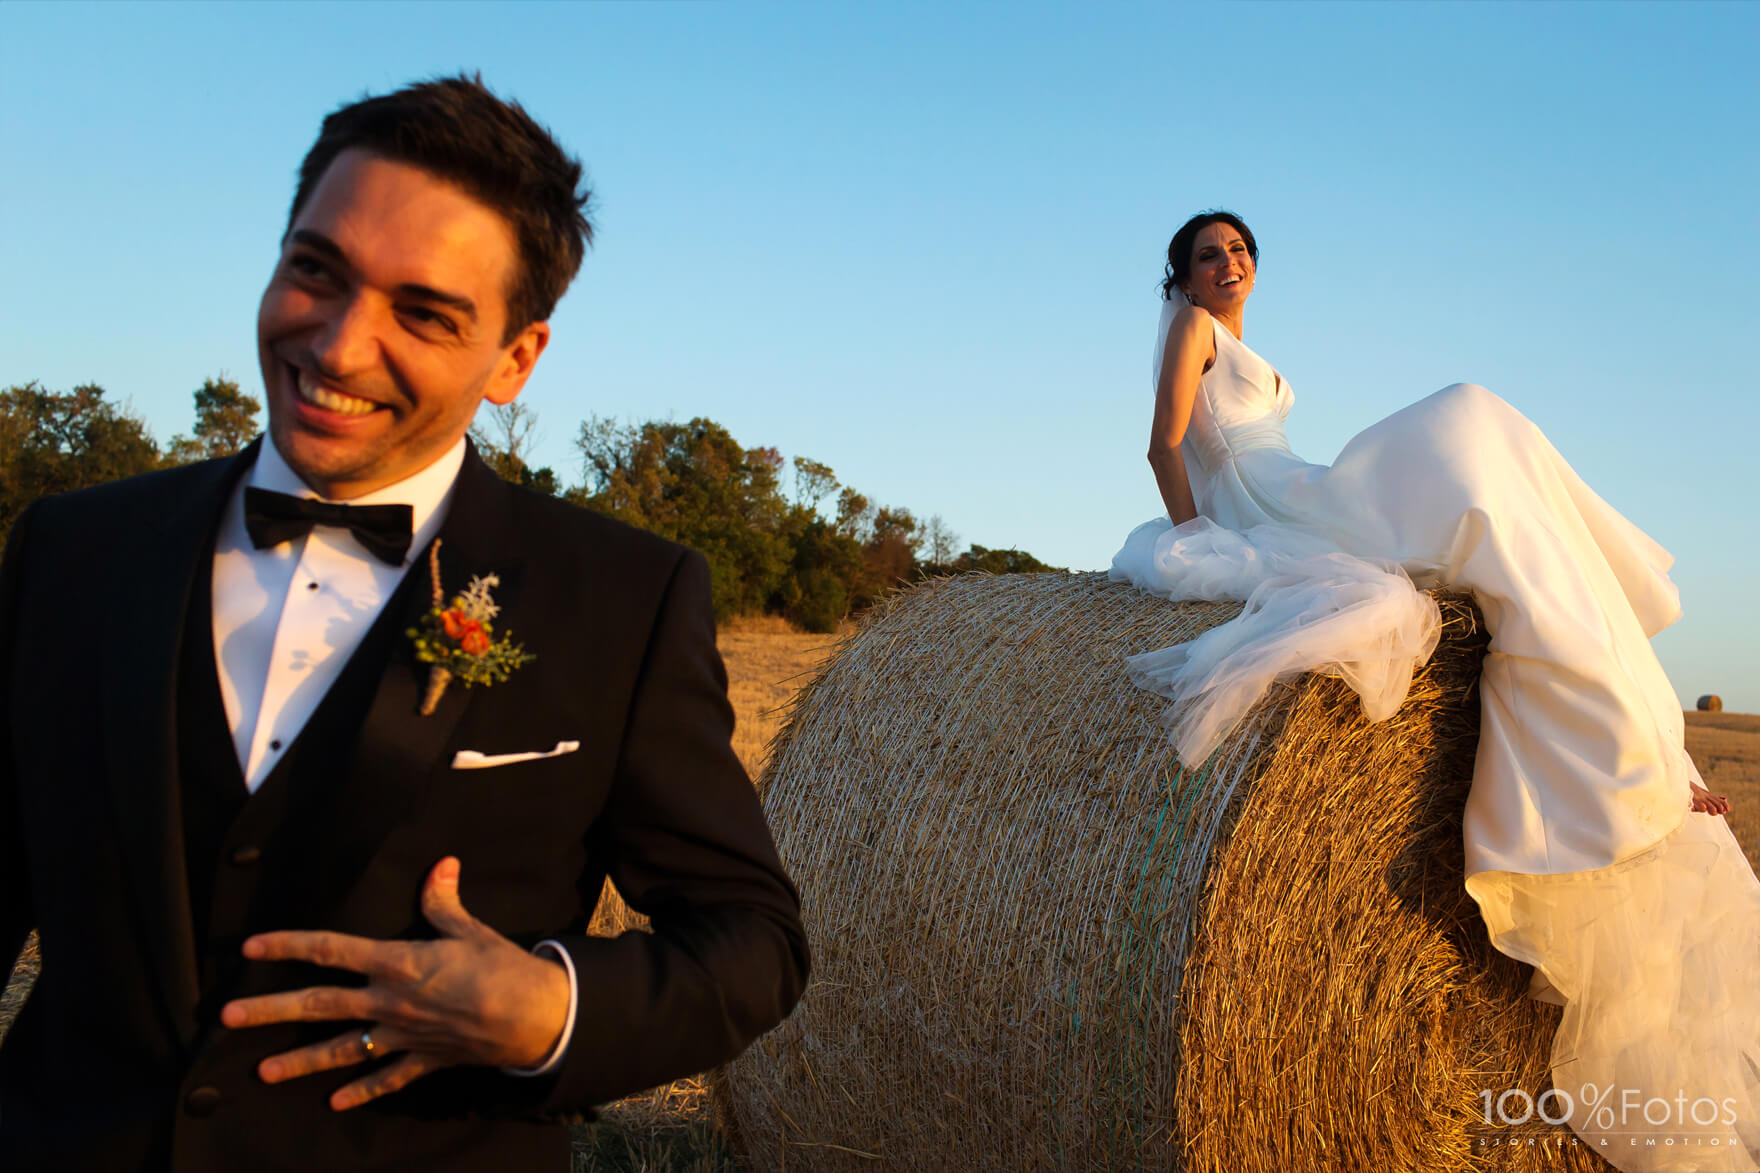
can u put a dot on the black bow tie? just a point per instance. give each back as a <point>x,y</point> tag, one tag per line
<point>273,518</point>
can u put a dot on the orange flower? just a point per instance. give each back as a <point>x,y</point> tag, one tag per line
<point>456,624</point>
<point>474,641</point>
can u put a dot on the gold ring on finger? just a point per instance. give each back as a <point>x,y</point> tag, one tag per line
<point>367,1043</point>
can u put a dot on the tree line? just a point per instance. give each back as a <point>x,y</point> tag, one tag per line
<point>782,537</point>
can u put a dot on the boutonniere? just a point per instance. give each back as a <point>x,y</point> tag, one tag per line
<point>458,640</point>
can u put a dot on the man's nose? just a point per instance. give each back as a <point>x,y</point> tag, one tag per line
<point>348,340</point>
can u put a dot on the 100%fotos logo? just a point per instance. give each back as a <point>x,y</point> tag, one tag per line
<point>1557,1106</point>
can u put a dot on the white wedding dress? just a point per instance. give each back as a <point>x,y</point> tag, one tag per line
<point>1641,918</point>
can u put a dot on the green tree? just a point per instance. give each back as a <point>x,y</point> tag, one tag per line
<point>889,554</point>
<point>981,560</point>
<point>813,559</point>
<point>54,442</point>
<point>813,482</point>
<point>693,483</point>
<point>226,420</point>
<point>855,515</point>
<point>825,565</point>
<point>825,559</point>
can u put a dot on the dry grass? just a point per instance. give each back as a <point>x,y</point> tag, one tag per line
<point>766,664</point>
<point>671,1128</point>
<point>1355,1028</point>
<point>1039,944</point>
<point>1726,748</point>
<point>667,1130</point>
<point>961,965</point>
<point>18,985</point>
<point>1036,947</point>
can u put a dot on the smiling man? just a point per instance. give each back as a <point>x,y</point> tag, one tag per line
<point>387,322</point>
<point>299,906</point>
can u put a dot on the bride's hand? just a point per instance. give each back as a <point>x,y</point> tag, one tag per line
<point>1707,802</point>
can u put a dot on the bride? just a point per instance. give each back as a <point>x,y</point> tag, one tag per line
<point>1592,850</point>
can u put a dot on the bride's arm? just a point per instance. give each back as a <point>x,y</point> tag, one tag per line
<point>1190,349</point>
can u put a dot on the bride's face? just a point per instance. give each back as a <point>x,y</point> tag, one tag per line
<point>1222,269</point>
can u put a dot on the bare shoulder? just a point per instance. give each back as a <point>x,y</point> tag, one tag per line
<point>1191,322</point>
<point>1192,329</point>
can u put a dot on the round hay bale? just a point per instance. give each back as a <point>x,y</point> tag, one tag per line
<point>1040,944</point>
<point>1711,703</point>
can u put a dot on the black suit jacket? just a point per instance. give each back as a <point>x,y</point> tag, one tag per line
<point>112,1065</point>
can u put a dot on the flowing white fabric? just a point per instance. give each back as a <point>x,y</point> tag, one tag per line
<point>1642,920</point>
<point>1308,608</point>
<point>1654,960</point>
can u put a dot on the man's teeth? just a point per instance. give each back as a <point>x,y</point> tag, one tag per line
<point>330,400</point>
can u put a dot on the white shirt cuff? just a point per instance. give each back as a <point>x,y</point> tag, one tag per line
<point>554,949</point>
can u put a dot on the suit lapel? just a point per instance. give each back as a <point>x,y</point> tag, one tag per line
<point>399,751</point>
<point>138,690</point>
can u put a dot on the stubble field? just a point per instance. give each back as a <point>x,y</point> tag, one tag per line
<point>672,1129</point>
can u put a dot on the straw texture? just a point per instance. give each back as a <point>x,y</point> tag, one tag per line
<point>1040,944</point>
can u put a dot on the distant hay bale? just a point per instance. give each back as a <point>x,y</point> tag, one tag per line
<point>1711,703</point>
<point>1039,944</point>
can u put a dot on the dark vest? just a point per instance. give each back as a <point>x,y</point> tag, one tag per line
<point>229,832</point>
<point>254,862</point>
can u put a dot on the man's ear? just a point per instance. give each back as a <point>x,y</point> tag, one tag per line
<point>516,363</point>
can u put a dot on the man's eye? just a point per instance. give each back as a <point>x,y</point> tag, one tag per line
<point>428,317</point>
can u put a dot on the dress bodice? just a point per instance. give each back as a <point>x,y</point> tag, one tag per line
<point>1237,458</point>
<point>1240,406</point>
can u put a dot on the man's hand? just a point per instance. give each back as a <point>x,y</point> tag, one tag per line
<point>472,997</point>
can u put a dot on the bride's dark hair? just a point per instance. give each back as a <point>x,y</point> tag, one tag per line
<point>1179,249</point>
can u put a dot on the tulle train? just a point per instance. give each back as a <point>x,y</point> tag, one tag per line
<point>1653,960</point>
<point>1309,608</point>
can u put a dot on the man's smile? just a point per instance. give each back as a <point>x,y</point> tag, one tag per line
<point>319,396</point>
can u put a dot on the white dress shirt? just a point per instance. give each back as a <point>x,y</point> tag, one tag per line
<point>289,616</point>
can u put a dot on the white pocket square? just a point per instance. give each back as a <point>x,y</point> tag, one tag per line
<point>470,759</point>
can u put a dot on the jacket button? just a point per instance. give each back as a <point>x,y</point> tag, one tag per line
<point>202,1101</point>
<point>244,857</point>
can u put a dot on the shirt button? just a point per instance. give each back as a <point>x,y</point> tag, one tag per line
<point>245,856</point>
<point>202,1101</point>
<point>276,744</point>
<point>311,586</point>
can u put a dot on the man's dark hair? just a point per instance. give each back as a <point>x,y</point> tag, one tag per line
<point>456,129</point>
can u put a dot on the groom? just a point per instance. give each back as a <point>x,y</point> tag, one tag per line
<point>290,918</point>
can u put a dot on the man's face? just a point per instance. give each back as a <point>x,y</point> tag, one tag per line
<point>380,330</point>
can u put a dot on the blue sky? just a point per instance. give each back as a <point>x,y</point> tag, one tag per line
<point>920,243</point>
